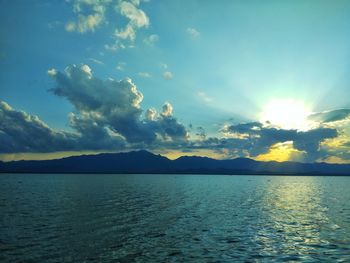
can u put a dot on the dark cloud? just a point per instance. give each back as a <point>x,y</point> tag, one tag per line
<point>257,139</point>
<point>201,133</point>
<point>244,128</point>
<point>330,116</point>
<point>93,136</point>
<point>21,132</point>
<point>309,141</point>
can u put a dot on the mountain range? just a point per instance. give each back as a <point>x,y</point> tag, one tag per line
<point>146,162</point>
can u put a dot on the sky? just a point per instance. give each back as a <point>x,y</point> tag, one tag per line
<point>267,80</point>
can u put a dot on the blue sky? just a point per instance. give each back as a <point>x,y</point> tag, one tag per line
<point>218,64</point>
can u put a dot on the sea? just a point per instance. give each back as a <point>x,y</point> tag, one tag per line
<point>174,218</point>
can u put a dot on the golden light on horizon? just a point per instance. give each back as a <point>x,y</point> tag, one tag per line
<point>174,154</point>
<point>281,152</point>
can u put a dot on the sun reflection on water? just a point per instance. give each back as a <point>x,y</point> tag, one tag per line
<point>293,212</point>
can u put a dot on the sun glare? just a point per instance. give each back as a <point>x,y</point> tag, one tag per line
<point>286,114</point>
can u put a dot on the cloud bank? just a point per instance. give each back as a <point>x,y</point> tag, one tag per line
<point>108,115</point>
<point>258,139</point>
<point>22,132</point>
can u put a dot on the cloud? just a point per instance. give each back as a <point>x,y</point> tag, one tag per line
<point>107,116</point>
<point>257,139</point>
<point>309,141</point>
<point>337,149</point>
<point>70,26</point>
<point>203,96</point>
<point>127,33</point>
<point>163,65</point>
<point>167,75</point>
<point>21,132</point>
<point>330,116</point>
<point>93,135</point>
<point>347,144</point>
<point>52,72</point>
<point>151,40</point>
<point>137,19</point>
<point>85,23</point>
<point>115,46</point>
<point>99,62</point>
<point>120,66</point>
<point>144,75</point>
<point>102,102</point>
<point>114,106</point>
<point>192,32</point>
<point>167,110</point>
<point>90,15</point>
<point>249,128</point>
<point>151,114</point>
<point>201,133</point>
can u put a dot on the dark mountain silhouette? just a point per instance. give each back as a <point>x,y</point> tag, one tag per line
<point>146,162</point>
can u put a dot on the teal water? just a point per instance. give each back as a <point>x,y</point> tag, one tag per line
<point>174,218</point>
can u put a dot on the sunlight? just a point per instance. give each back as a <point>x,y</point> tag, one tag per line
<point>286,114</point>
<point>281,152</point>
<point>294,206</point>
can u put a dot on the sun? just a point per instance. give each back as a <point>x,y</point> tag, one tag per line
<point>286,114</point>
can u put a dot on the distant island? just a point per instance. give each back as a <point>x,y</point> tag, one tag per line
<point>144,162</point>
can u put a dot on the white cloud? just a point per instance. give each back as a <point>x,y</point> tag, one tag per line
<point>96,61</point>
<point>120,66</point>
<point>167,110</point>
<point>203,96</point>
<point>89,23</point>
<point>52,72</point>
<point>90,15</point>
<point>151,114</point>
<point>115,46</point>
<point>167,75</point>
<point>151,40</point>
<point>163,65</point>
<point>144,74</point>
<point>85,68</point>
<point>70,26</point>
<point>127,33</point>
<point>192,32</point>
<point>135,2</point>
<point>137,17</point>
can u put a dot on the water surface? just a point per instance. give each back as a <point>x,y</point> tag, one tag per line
<point>174,218</point>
